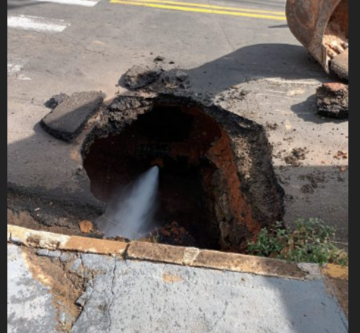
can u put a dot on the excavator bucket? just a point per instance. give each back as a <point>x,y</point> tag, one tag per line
<point>322,26</point>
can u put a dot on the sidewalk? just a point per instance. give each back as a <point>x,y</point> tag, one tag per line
<point>69,284</point>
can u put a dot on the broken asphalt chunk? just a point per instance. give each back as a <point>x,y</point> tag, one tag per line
<point>333,100</point>
<point>181,76</point>
<point>140,76</point>
<point>68,119</point>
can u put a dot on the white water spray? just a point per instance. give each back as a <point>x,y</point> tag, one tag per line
<point>128,214</point>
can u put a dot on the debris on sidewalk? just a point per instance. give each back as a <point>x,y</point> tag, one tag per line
<point>333,100</point>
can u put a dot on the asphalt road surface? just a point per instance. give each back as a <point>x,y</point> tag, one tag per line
<point>76,45</point>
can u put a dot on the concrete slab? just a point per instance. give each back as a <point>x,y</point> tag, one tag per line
<point>30,303</point>
<point>147,297</point>
<point>139,296</point>
<point>68,118</point>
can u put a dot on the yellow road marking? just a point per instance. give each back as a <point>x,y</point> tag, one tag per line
<point>190,4</point>
<point>198,10</point>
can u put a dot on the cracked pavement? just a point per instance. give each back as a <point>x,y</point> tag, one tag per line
<point>139,296</point>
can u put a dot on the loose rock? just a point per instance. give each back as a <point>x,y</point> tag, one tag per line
<point>126,103</point>
<point>86,226</point>
<point>159,58</point>
<point>55,100</point>
<point>333,100</point>
<point>140,76</point>
<point>181,76</point>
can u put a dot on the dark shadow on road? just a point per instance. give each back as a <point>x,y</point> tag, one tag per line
<point>308,108</point>
<point>14,4</point>
<point>259,61</point>
<point>290,62</point>
<point>279,26</point>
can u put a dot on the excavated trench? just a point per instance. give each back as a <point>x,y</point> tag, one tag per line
<point>217,187</point>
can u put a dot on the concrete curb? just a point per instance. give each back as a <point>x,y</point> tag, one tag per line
<point>51,241</point>
<point>215,260</point>
<point>186,256</point>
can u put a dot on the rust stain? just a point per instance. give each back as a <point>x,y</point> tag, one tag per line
<point>220,154</point>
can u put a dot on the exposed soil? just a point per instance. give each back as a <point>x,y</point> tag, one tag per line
<point>216,176</point>
<point>37,213</point>
<point>337,281</point>
<point>296,155</point>
<point>172,234</point>
<point>65,286</point>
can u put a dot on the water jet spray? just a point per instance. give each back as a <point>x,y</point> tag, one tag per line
<point>129,213</point>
